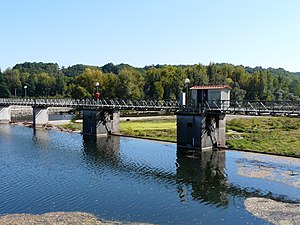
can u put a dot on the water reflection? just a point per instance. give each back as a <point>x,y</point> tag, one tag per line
<point>206,175</point>
<point>202,177</point>
<point>100,150</point>
<point>5,130</point>
<point>41,138</point>
<point>135,180</point>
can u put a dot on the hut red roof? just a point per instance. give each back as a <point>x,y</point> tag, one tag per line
<point>213,87</point>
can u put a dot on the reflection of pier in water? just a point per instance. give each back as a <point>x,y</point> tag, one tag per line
<point>202,177</point>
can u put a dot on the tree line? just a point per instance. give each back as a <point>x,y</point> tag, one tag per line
<point>159,82</point>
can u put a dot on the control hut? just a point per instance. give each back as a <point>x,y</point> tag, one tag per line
<point>202,126</point>
<point>213,97</point>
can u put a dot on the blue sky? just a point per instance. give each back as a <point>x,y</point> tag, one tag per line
<point>144,32</point>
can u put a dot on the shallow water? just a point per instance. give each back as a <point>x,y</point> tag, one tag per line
<point>135,180</point>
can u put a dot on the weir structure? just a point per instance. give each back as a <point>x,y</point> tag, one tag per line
<point>101,122</point>
<point>100,117</point>
<point>201,115</point>
<point>201,123</point>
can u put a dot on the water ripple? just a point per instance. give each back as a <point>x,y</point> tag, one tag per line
<point>126,179</point>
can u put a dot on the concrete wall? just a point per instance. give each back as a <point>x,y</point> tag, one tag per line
<point>189,128</point>
<point>5,114</point>
<point>200,132</point>
<point>101,122</point>
<point>115,126</point>
<point>40,117</point>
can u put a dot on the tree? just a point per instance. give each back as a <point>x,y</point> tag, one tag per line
<point>88,80</point>
<point>60,84</point>
<point>237,93</point>
<point>4,91</point>
<point>262,85</point>
<point>108,85</point>
<point>197,74</point>
<point>214,74</point>
<point>12,80</point>
<point>279,94</point>
<point>130,84</point>
<point>44,84</point>
<point>79,92</point>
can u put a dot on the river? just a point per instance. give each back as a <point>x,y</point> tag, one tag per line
<point>133,180</point>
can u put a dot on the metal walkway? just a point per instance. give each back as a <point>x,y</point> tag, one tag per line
<point>139,105</point>
<point>286,108</point>
<point>275,108</point>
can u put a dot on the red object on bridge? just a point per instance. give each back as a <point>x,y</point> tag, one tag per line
<point>97,95</point>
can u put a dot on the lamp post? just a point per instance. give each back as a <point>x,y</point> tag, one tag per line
<point>97,95</point>
<point>187,82</point>
<point>97,85</point>
<point>25,91</point>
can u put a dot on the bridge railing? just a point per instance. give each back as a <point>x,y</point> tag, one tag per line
<point>224,106</point>
<point>245,107</point>
<point>94,104</point>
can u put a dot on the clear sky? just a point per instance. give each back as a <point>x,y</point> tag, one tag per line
<point>144,32</point>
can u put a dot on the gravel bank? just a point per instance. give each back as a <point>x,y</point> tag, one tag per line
<point>57,218</point>
<point>278,213</point>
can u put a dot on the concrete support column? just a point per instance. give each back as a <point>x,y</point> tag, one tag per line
<point>5,114</point>
<point>115,126</point>
<point>199,132</point>
<point>100,122</point>
<point>40,117</point>
<point>213,131</point>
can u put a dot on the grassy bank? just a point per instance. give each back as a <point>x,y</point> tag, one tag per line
<point>164,130</point>
<point>280,135</point>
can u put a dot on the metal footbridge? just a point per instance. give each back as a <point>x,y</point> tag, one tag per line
<point>286,108</point>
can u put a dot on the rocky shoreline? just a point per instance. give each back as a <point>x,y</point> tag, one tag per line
<point>58,218</point>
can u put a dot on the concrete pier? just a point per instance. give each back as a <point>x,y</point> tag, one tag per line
<point>40,117</point>
<point>101,122</point>
<point>5,114</point>
<point>200,132</point>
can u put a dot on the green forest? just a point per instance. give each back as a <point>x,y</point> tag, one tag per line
<point>159,82</point>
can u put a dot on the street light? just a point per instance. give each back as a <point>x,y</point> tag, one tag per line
<point>187,82</point>
<point>25,90</point>
<point>97,94</point>
<point>97,85</point>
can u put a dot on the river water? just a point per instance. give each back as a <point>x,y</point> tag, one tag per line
<point>126,179</point>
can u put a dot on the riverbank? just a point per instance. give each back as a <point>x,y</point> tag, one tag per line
<point>58,218</point>
<point>274,135</point>
<point>271,135</point>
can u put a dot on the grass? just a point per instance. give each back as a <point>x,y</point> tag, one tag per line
<point>279,135</point>
<point>164,130</point>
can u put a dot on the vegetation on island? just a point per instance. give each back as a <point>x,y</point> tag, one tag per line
<point>159,82</point>
<point>275,135</point>
<point>163,130</point>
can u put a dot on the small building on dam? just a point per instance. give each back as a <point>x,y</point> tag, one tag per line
<point>201,123</point>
